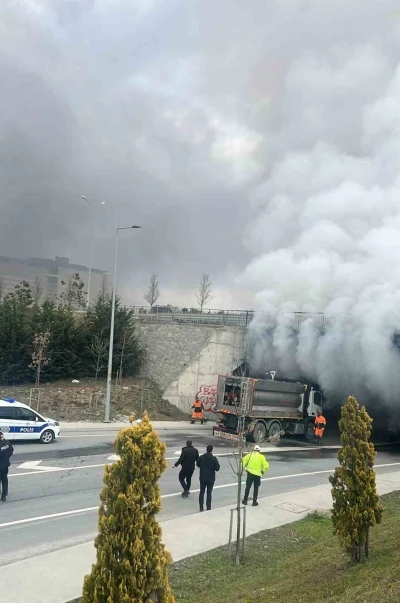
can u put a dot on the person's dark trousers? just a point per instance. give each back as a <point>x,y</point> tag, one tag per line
<point>4,482</point>
<point>203,487</point>
<point>250,481</point>
<point>185,478</point>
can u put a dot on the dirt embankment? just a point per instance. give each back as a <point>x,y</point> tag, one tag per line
<point>84,401</point>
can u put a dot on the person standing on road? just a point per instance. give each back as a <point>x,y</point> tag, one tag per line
<point>197,414</point>
<point>256,465</point>
<point>208,465</point>
<point>187,460</point>
<point>320,424</point>
<point>6,451</point>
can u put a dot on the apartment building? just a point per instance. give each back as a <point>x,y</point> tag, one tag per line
<point>46,275</point>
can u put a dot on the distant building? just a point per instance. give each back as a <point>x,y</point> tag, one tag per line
<point>46,275</point>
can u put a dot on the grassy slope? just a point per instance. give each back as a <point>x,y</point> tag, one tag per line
<point>67,401</point>
<point>300,562</point>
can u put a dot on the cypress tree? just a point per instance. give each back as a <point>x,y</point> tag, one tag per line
<point>131,564</point>
<point>356,505</point>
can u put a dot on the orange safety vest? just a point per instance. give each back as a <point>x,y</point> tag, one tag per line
<point>197,409</point>
<point>320,424</point>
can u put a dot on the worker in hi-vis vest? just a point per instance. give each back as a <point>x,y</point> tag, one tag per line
<point>256,465</point>
<point>320,424</point>
<point>197,411</point>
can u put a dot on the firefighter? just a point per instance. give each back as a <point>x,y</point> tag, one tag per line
<point>197,411</point>
<point>320,424</point>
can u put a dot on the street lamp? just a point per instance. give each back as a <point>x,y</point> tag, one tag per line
<point>111,346</point>
<point>91,245</point>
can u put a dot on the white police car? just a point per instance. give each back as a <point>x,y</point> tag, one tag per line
<point>20,422</point>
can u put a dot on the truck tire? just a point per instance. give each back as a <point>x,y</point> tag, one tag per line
<point>309,430</point>
<point>259,432</point>
<point>274,428</point>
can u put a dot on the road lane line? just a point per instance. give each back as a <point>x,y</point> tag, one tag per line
<point>80,467</point>
<point>231,485</point>
<point>42,517</point>
<point>56,470</point>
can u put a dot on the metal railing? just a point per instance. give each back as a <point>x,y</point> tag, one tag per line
<point>194,316</point>
<point>235,318</point>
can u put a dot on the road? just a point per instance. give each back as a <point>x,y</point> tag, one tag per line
<point>54,504</point>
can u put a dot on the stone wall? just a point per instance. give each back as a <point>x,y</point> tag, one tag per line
<point>170,348</point>
<point>187,359</point>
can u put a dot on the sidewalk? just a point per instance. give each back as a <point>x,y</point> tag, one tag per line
<point>57,577</point>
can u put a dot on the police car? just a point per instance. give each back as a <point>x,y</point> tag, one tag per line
<point>20,422</point>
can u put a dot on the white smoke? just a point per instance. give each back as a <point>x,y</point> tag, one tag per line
<point>326,232</point>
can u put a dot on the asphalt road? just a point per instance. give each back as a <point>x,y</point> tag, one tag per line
<point>54,504</point>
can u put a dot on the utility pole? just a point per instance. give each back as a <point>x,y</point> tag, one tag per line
<point>111,345</point>
<point>242,409</point>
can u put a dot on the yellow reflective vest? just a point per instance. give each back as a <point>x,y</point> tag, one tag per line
<point>255,463</point>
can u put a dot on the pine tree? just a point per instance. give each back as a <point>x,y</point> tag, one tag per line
<point>131,564</point>
<point>356,505</point>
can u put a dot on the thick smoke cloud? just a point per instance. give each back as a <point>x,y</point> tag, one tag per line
<point>326,236</point>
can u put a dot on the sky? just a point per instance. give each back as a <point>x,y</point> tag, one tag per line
<point>254,141</point>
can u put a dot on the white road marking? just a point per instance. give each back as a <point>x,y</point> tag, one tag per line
<point>231,485</point>
<point>53,516</point>
<point>113,457</point>
<point>55,469</point>
<point>34,465</point>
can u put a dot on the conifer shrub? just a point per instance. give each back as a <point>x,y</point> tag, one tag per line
<point>131,565</point>
<point>356,504</point>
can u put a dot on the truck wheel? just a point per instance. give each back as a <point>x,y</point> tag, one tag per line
<point>309,431</point>
<point>259,432</point>
<point>274,428</point>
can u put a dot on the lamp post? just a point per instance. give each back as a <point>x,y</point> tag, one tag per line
<point>111,345</point>
<point>90,245</point>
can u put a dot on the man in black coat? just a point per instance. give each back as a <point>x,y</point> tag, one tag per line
<point>208,465</point>
<point>187,460</point>
<point>6,451</point>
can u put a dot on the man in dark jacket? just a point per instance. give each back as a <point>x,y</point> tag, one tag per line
<point>208,465</point>
<point>6,451</point>
<point>187,460</point>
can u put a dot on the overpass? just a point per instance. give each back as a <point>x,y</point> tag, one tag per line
<point>186,351</point>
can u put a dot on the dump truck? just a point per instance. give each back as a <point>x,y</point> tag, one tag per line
<point>268,405</point>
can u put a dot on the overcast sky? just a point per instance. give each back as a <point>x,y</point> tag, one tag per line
<point>212,123</point>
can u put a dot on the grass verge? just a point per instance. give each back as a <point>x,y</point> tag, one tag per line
<point>297,563</point>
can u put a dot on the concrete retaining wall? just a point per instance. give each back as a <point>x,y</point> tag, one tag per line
<point>187,359</point>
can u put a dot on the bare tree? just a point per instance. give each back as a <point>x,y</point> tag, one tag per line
<point>37,289</point>
<point>104,294</point>
<point>2,287</point>
<point>153,292</point>
<point>203,294</point>
<point>98,349</point>
<point>40,353</point>
<point>73,295</point>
